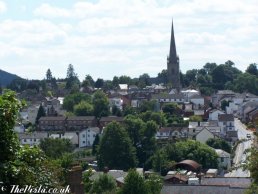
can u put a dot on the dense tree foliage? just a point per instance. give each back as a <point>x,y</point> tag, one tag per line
<point>116,150</point>
<point>73,99</point>
<point>55,148</point>
<point>103,184</point>
<point>252,69</point>
<point>136,184</point>
<point>21,165</point>
<point>83,109</point>
<point>100,104</point>
<point>182,150</point>
<point>219,144</point>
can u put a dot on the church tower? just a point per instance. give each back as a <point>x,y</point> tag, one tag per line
<point>173,64</point>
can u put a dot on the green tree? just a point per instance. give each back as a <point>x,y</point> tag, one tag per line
<point>224,104</point>
<point>147,106</point>
<point>115,149</point>
<point>134,183</point>
<point>219,144</point>
<point>95,144</point>
<point>169,108</point>
<point>195,118</point>
<point>41,113</point>
<point>224,73</point>
<point>163,76</point>
<point>49,75</point>
<point>252,69</point>
<point>104,184</point>
<point>100,104</point>
<point>88,81</point>
<point>253,167</point>
<point>21,165</point>
<point>55,148</point>
<point>153,184</point>
<point>99,83</point>
<point>83,109</point>
<point>72,81</point>
<point>246,83</point>
<point>73,99</point>
<point>87,182</point>
<point>193,150</point>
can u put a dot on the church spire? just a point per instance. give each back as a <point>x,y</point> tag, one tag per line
<point>172,53</point>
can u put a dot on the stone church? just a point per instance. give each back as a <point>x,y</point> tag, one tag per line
<point>173,71</point>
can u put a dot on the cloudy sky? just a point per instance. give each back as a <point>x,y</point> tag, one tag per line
<point>104,38</point>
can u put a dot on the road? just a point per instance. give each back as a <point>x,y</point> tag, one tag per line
<point>240,154</point>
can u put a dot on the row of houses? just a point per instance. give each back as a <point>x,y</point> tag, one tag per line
<point>82,138</point>
<point>74,123</point>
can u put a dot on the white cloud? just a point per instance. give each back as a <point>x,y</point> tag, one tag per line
<point>111,37</point>
<point>3,7</point>
<point>45,10</point>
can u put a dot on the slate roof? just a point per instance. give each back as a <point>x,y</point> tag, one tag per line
<point>226,117</point>
<point>81,118</point>
<point>200,189</point>
<point>228,181</point>
<point>34,135</point>
<point>111,118</point>
<point>52,118</point>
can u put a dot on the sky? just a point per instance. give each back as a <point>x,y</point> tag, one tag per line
<point>105,38</point>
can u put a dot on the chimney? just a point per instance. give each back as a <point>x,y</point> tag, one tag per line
<point>75,180</point>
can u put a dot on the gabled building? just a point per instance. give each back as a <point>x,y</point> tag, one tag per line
<point>78,123</point>
<point>87,136</point>
<point>226,122</point>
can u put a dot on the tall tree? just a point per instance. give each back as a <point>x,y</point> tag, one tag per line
<point>70,71</point>
<point>41,113</point>
<point>104,184</point>
<point>49,75</point>
<point>100,104</point>
<point>252,69</point>
<point>115,149</point>
<point>134,183</point>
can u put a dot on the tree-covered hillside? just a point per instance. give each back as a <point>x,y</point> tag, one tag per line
<point>6,78</point>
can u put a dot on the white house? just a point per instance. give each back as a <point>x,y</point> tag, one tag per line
<point>196,127</point>
<point>31,139</point>
<point>172,132</point>
<point>197,100</point>
<point>72,136</point>
<point>203,135</point>
<point>87,136</point>
<point>116,101</point>
<point>223,159</point>
<point>213,114</point>
<point>226,123</point>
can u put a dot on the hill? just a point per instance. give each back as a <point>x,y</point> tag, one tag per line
<point>6,78</point>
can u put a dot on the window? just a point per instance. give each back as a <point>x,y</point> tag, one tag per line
<point>222,159</point>
<point>83,142</point>
<point>194,130</point>
<point>83,135</point>
<point>35,140</point>
<point>25,140</point>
